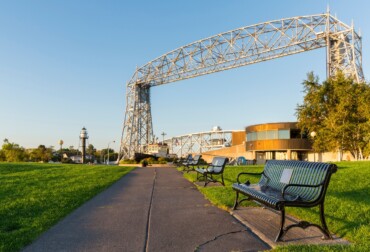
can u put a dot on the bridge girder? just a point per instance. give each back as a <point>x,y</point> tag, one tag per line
<point>199,142</point>
<point>236,48</point>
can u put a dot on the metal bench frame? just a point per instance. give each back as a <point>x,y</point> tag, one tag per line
<point>181,161</point>
<point>190,165</point>
<point>276,195</point>
<point>215,168</point>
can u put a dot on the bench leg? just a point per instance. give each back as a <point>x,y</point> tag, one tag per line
<point>222,177</point>
<point>184,169</point>
<point>282,221</point>
<point>190,169</point>
<point>187,169</point>
<point>206,181</point>
<point>236,201</point>
<point>324,228</point>
<point>304,224</point>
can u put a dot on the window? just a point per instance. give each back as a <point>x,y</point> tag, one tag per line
<point>268,135</point>
<point>252,136</point>
<point>284,134</point>
<point>261,135</point>
<point>272,134</point>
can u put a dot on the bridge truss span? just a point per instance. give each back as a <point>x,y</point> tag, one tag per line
<point>199,142</point>
<point>236,48</point>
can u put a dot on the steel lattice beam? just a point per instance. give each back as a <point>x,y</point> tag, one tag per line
<point>199,142</point>
<point>236,48</point>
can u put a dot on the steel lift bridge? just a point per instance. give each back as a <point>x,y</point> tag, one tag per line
<point>236,48</point>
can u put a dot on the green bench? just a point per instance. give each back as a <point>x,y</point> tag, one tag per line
<point>289,183</point>
<point>217,167</point>
<point>180,162</point>
<point>190,164</point>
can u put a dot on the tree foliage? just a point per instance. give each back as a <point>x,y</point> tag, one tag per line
<point>41,154</point>
<point>338,110</point>
<point>12,152</point>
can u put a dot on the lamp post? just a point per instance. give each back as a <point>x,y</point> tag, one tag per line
<point>108,151</point>
<point>313,135</point>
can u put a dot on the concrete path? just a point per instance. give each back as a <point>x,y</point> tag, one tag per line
<point>150,209</point>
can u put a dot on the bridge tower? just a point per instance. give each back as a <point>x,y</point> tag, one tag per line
<point>138,121</point>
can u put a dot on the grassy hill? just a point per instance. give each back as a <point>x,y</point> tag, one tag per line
<point>33,196</point>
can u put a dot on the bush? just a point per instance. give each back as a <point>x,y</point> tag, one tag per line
<point>67,161</point>
<point>144,162</point>
<point>150,160</point>
<point>171,159</point>
<point>127,161</point>
<point>202,162</point>
<point>162,159</point>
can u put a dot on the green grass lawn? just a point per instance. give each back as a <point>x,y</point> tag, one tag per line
<point>347,204</point>
<point>33,197</point>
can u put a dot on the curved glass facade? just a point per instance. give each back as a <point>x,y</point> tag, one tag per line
<point>268,135</point>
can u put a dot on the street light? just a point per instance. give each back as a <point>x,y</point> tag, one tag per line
<point>108,150</point>
<point>313,135</point>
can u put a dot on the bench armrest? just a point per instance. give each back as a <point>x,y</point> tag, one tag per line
<point>297,185</point>
<point>247,173</point>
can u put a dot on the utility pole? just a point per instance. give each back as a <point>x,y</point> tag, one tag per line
<point>163,134</point>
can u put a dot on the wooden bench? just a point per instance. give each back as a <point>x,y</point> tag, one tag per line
<point>189,165</point>
<point>288,183</point>
<point>215,168</point>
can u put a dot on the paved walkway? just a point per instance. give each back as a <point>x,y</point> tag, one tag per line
<point>150,209</point>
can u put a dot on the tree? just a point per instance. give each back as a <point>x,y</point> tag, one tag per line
<point>12,152</point>
<point>41,154</point>
<point>71,151</point>
<point>91,151</point>
<point>338,110</point>
<point>103,154</point>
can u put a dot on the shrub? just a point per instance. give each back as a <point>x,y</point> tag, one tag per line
<point>67,161</point>
<point>202,162</point>
<point>127,161</point>
<point>144,162</point>
<point>150,160</point>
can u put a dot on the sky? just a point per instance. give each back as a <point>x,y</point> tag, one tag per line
<point>64,65</point>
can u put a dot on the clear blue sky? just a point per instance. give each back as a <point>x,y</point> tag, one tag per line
<point>65,64</point>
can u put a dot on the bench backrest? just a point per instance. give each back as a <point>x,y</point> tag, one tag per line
<point>196,159</point>
<point>218,164</point>
<point>189,157</point>
<point>306,173</point>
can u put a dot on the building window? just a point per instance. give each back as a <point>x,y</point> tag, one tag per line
<point>268,135</point>
<point>252,136</point>
<point>284,134</point>
<point>271,134</point>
